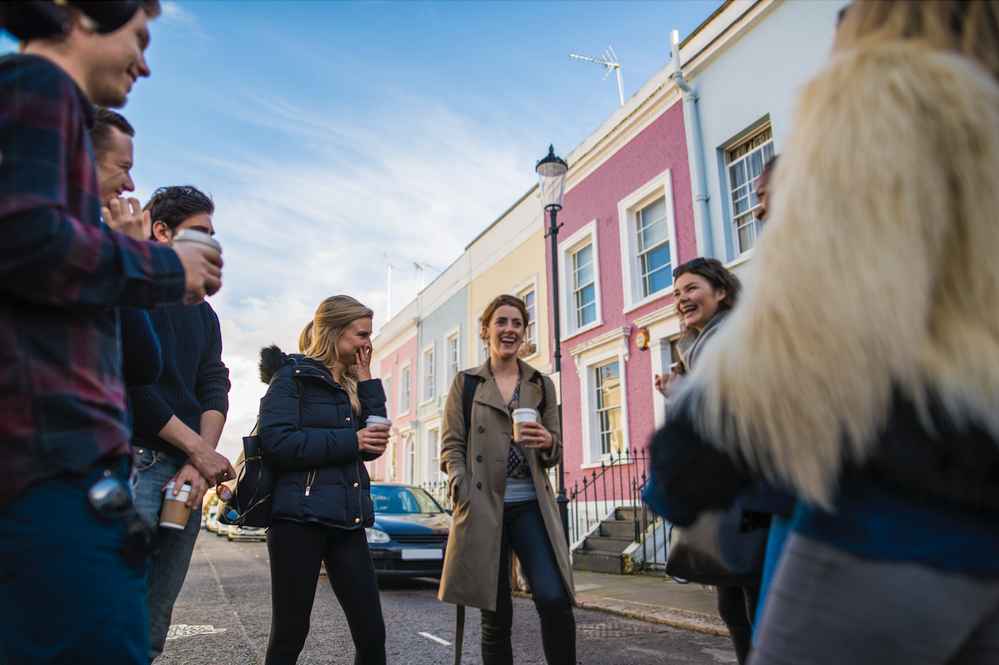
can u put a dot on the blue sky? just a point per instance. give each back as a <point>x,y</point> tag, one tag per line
<point>330,133</point>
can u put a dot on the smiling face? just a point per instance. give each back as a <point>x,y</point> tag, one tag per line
<point>696,300</point>
<point>357,335</point>
<point>114,165</point>
<point>114,61</point>
<point>505,331</point>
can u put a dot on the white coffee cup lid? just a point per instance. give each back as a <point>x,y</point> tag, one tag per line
<point>525,410</point>
<point>194,236</point>
<point>185,488</point>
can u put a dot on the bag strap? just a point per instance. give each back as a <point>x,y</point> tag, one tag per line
<point>459,633</point>
<point>468,389</point>
<point>544,393</point>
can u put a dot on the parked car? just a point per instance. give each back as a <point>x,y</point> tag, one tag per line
<point>211,522</point>
<point>410,532</point>
<point>235,532</point>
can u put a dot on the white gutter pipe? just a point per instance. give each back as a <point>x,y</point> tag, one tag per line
<point>692,129</point>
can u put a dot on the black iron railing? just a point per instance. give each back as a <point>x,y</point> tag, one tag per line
<point>618,483</point>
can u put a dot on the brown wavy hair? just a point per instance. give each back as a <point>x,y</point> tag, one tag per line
<point>718,276</point>
<point>318,339</point>
<point>969,28</point>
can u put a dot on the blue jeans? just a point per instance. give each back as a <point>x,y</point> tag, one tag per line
<point>66,594</point>
<point>524,530</point>
<point>174,548</point>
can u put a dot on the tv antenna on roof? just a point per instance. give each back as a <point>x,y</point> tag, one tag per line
<point>611,63</point>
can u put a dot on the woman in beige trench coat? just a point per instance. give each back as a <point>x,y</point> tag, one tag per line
<point>503,497</point>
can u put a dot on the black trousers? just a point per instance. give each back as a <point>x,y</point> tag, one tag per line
<point>524,530</point>
<point>295,550</point>
<point>737,607</point>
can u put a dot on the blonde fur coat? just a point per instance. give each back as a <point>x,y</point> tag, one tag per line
<point>878,272</point>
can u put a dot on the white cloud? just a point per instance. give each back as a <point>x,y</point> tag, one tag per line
<point>418,184</point>
<point>173,13</point>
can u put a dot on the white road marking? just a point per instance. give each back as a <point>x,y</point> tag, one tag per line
<point>436,639</point>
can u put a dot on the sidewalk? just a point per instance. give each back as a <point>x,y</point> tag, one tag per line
<point>650,598</point>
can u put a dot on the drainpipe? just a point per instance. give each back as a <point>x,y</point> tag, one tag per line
<point>692,129</point>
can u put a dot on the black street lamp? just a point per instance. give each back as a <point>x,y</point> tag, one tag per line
<point>551,176</point>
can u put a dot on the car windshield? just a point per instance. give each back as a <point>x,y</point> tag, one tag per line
<point>402,500</point>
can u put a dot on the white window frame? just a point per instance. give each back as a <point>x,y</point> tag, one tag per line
<point>734,229</point>
<point>409,457</point>
<point>406,388</point>
<point>428,382</point>
<point>387,387</point>
<point>587,235</point>
<point>481,354</point>
<point>433,454</point>
<point>520,291</point>
<point>587,364</point>
<point>452,365</point>
<point>628,210</point>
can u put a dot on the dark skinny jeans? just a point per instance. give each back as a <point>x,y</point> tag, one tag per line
<point>737,608</point>
<point>295,551</point>
<point>524,530</point>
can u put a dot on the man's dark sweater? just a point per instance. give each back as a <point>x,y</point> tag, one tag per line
<point>193,379</point>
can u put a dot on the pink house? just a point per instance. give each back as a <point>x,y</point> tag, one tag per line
<point>628,221</point>
<point>395,363</point>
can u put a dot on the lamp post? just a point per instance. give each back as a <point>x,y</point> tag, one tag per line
<point>551,177</point>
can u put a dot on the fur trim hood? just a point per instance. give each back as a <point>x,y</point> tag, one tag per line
<point>877,273</point>
<point>271,360</point>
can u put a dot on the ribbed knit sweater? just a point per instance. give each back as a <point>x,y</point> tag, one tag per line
<point>193,379</point>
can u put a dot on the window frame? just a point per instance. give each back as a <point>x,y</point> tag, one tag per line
<point>587,235</point>
<point>587,362</point>
<point>387,388</point>
<point>628,210</point>
<point>405,387</point>
<point>452,365</point>
<point>747,138</point>
<point>428,383</point>
<point>528,286</point>
<point>598,410</point>
<point>434,474</point>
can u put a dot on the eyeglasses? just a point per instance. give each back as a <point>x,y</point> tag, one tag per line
<point>109,497</point>
<point>690,265</point>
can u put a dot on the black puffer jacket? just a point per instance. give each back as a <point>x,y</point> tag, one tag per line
<point>308,430</point>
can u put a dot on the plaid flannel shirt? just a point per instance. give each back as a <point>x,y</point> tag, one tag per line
<point>62,399</point>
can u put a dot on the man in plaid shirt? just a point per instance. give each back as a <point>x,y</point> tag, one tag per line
<point>67,594</point>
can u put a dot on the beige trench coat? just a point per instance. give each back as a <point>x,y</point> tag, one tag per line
<point>476,465</point>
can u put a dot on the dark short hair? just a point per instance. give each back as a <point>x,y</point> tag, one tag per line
<point>501,301</point>
<point>718,276</point>
<point>173,205</point>
<point>101,134</point>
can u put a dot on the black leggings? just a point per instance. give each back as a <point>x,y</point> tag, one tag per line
<point>524,530</point>
<point>295,551</point>
<point>737,608</point>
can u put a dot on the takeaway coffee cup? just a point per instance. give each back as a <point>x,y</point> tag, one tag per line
<point>175,514</point>
<point>521,416</point>
<point>378,420</point>
<point>193,237</point>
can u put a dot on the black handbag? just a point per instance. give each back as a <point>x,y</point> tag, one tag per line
<point>250,503</point>
<point>721,549</point>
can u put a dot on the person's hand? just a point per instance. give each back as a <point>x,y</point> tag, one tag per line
<point>214,467</point>
<point>667,383</point>
<point>202,272</point>
<point>363,358</point>
<point>534,435</point>
<point>373,439</point>
<point>188,474</point>
<point>126,216</point>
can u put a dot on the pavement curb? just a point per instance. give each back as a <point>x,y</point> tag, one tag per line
<point>702,623</point>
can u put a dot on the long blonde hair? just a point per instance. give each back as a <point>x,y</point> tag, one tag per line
<point>320,336</point>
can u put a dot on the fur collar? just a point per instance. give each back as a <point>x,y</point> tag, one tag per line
<point>877,272</point>
<point>271,360</point>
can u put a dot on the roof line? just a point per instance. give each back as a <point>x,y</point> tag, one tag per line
<point>500,218</point>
